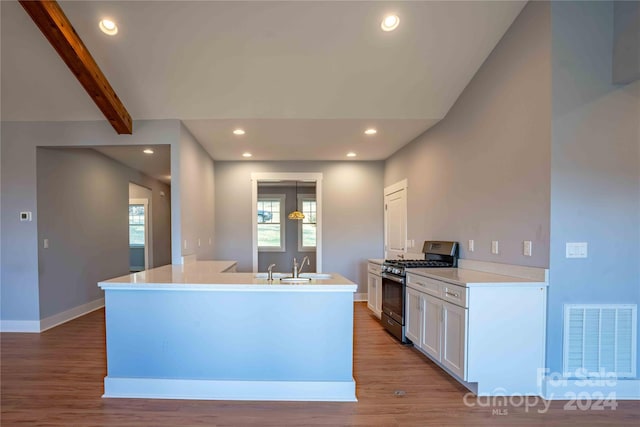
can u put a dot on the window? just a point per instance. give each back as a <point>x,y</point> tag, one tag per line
<point>271,222</point>
<point>136,225</point>
<point>307,227</point>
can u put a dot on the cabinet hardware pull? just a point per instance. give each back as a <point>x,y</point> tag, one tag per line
<point>453,294</point>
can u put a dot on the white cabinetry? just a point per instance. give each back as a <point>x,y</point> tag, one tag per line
<point>374,289</point>
<point>490,335</point>
<point>436,326</point>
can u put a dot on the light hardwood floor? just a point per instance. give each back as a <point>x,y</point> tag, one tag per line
<point>55,379</point>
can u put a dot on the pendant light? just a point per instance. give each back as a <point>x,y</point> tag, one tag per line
<point>296,214</point>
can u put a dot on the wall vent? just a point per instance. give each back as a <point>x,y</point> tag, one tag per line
<point>599,337</point>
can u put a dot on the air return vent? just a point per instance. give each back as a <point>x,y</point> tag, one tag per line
<point>599,337</point>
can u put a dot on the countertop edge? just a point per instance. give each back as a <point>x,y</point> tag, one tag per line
<point>516,281</point>
<point>218,287</point>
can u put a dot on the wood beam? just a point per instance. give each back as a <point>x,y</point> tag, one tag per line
<point>55,26</point>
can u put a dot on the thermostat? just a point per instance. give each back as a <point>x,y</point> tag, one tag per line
<point>25,216</point>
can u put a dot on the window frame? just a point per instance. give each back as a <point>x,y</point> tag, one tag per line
<point>139,202</point>
<point>282,199</point>
<point>306,198</point>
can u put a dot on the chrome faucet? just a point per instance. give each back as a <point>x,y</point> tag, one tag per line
<point>294,272</point>
<point>297,268</point>
<point>305,259</point>
<point>270,270</point>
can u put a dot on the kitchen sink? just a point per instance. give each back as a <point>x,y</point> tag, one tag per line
<point>295,279</point>
<point>318,276</point>
<point>275,275</point>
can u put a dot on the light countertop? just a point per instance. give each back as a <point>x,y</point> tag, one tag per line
<point>208,275</point>
<point>379,261</point>
<point>464,277</point>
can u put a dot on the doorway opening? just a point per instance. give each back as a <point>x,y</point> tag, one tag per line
<point>278,239</point>
<point>140,238</point>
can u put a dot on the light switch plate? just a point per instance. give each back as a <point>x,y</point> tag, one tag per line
<point>471,246</point>
<point>527,248</point>
<point>494,247</point>
<point>576,249</point>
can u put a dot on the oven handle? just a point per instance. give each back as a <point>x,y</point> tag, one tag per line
<point>393,278</point>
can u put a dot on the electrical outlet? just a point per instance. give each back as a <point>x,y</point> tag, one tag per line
<point>198,242</point>
<point>45,243</point>
<point>494,247</point>
<point>185,243</point>
<point>471,246</point>
<point>527,248</point>
<point>209,240</point>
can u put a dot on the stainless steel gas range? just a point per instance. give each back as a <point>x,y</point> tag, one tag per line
<point>437,254</point>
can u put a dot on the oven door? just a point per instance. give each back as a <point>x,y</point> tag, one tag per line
<point>393,297</point>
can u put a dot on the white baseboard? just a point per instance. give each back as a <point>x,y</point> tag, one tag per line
<point>361,296</point>
<point>51,321</point>
<point>592,389</point>
<point>160,388</point>
<point>65,316</point>
<point>20,326</point>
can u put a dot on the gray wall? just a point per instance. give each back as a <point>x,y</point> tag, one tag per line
<point>626,41</point>
<point>82,210</point>
<point>595,170</point>
<point>19,263</point>
<point>482,173</point>
<point>352,220</point>
<point>192,173</point>
<point>283,260</point>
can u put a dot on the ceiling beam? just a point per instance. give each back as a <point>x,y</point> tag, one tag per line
<point>53,23</point>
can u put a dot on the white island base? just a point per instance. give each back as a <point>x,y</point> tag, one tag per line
<point>232,338</point>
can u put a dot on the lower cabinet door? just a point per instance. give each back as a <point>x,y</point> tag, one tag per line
<point>413,307</point>
<point>374,293</point>
<point>454,336</point>
<point>378,295</point>
<point>431,336</point>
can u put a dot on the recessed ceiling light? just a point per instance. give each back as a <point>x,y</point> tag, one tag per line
<point>390,23</point>
<point>109,27</point>
<point>239,132</point>
<point>247,154</point>
<point>147,151</point>
<point>351,154</point>
<point>370,131</point>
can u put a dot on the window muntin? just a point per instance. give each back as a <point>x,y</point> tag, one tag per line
<point>271,225</point>
<point>307,228</point>
<point>136,225</point>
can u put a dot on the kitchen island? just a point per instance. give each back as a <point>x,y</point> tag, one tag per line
<point>192,331</point>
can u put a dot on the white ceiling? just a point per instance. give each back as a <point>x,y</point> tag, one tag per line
<point>156,165</point>
<point>304,79</point>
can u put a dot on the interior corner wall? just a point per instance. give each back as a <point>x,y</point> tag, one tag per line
<point>19,262</point>
<point>595,169</point>
<point>483,172</point>
<point>352,213</point>
<point>196,199</point>
<point>82,204</point>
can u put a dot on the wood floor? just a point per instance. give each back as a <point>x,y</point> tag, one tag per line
<point>55,379</point>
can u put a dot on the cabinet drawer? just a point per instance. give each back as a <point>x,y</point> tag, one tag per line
<point>454,294</point>
<point>423,284</point>
<point>375,268</point>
